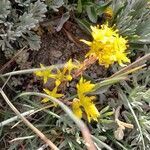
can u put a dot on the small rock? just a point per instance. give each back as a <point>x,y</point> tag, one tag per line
<point>93,75</point>
<point>72,90</point>
<point>56,53</point>
<point>72,84</point>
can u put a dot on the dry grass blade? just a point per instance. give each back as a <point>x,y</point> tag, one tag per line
<point>26,122</point>
<point>123,96</point>
<point>12,59</point>
<point>6,122</point>
<point>85,131</point>
<point>133,65</point>
<point>31,70</point>
<point>22,138</point>
<point>71,38</point>
<point>33,112</point>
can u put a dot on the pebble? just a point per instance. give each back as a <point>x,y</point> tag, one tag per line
<point>72,90</point>
<point>56,53</point>
<point>93,75</point>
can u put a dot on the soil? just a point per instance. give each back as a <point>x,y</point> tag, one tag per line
<point>57,48</point>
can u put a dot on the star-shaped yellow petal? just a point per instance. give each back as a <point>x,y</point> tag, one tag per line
<point>52,93</point>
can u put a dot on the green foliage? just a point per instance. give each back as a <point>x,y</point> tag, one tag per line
<point>92,8</point>
<point>17,21</point>
<point>136,98</point>
<point>54,4</point>
<point>132,18</point>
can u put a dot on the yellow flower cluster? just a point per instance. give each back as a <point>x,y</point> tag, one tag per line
<point>107,46</point>
<point>85,102</point>
<point>59,76</point>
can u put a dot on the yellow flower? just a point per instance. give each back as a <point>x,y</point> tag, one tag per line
<point>84,87</point>
<point>69,66</point>
<point>52,93</point>
<point>65,73</point>
<point>85,102</point>
<point>77,108</point>
<point>60,75</point>
<point>90,108</point>
<point>44,73</point>
<point>107,46</point>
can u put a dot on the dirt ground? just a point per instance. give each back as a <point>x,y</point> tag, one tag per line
<point>59,47</point>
